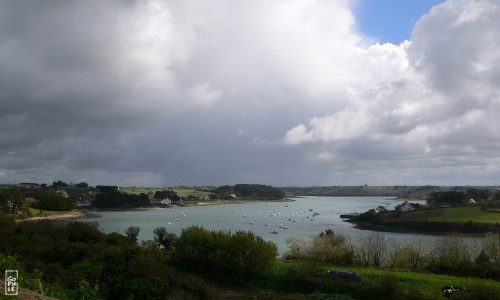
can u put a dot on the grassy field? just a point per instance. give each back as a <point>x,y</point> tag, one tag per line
<point>465,214</point>
<point>420,215</point>
<point>452,214</point>
<point>35,212</point>
<point>427,285</point>
<point>183,192</point>
<point>138,190</point>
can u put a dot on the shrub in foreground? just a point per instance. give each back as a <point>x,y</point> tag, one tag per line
<point>241,253</point>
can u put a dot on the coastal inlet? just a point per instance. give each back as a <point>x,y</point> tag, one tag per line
<point>273,221</point>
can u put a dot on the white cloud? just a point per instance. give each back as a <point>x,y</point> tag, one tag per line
<point>87,84</point>
<point>439,91</point>
<point>342,125</point>
<point>204,94</point>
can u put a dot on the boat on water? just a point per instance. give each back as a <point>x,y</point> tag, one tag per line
<point>274,232</point>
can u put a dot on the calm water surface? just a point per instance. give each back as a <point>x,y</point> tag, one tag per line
<point>294,218</point>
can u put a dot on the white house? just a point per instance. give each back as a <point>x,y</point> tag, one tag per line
<point>165,202</point>
<point>406,206</point>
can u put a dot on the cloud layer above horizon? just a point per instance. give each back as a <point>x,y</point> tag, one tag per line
<point>223,92</point>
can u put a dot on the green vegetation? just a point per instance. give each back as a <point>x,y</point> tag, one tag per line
<point>22,199</point>
<point>236,192</point>
<point>12,201</point>
<point>167,194</point>
<point>410,192</point>
<point>448,211</point>
<point>139,190</point>
<point>249,192</point>
<point>36,212</point>
<point>378,283</point>
<point>241,254</point>
<point>74,260</point>
<point>111,197</point>
<point>458,197</point>
<point>466,214</point>
<point>364,190</point>
<point>428,220</point>
<point>51,200</point>
<point>193,193</point>
<point>408,267</point>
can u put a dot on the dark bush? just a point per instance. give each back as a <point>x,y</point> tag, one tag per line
<point>242,253</point>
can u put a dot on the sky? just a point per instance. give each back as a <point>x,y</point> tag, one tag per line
<point>299,92</point>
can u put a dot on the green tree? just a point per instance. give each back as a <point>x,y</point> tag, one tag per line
<point>328,246</point>
<point>51,200</point>
<point>241,253</point>
<point>132,233</point>
<point>58,184</point>
<point>12,201</point>
<point>85,292</point>
<point>82,185</point>
<point>170,194</point>
<point>448,198</point>
<point>491,244</point>
<point>451,253</point>
<point>164,239</point>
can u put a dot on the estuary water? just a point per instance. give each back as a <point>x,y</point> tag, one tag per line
<point>273,221</point>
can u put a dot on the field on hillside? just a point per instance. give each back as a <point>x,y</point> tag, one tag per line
<point>419,285</point>
<point>420,215</point>
<point>465,214</point>
<point>139,190</point>
<point>429,285</point>
<point>183,192</point>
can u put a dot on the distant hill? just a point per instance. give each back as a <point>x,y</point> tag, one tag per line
<point>412,192</point>
<point>249,191</point>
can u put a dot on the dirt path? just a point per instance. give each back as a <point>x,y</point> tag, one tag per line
<point>24,294</point>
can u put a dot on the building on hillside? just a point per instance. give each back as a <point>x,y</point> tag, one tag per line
<point>63,193</point>
<point>405,207</point>
<point>165,202</point>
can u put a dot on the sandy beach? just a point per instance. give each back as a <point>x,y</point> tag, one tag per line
<point>63,216</point>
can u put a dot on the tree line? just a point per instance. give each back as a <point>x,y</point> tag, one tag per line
<point>449,254</point>
<point>110,196</point>
<point>249,191</point>
<point>460,197</point>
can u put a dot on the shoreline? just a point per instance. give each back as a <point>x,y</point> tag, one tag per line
<point>84,213</point>
<point>427,228</point>
<point>220,202</point>
<point>62,216</point>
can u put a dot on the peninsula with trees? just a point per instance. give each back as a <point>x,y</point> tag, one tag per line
<point>75,260</point>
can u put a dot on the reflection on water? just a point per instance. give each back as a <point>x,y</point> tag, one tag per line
<point>273,221</point>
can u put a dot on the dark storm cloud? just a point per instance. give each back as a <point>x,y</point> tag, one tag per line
<point>223,92</point>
